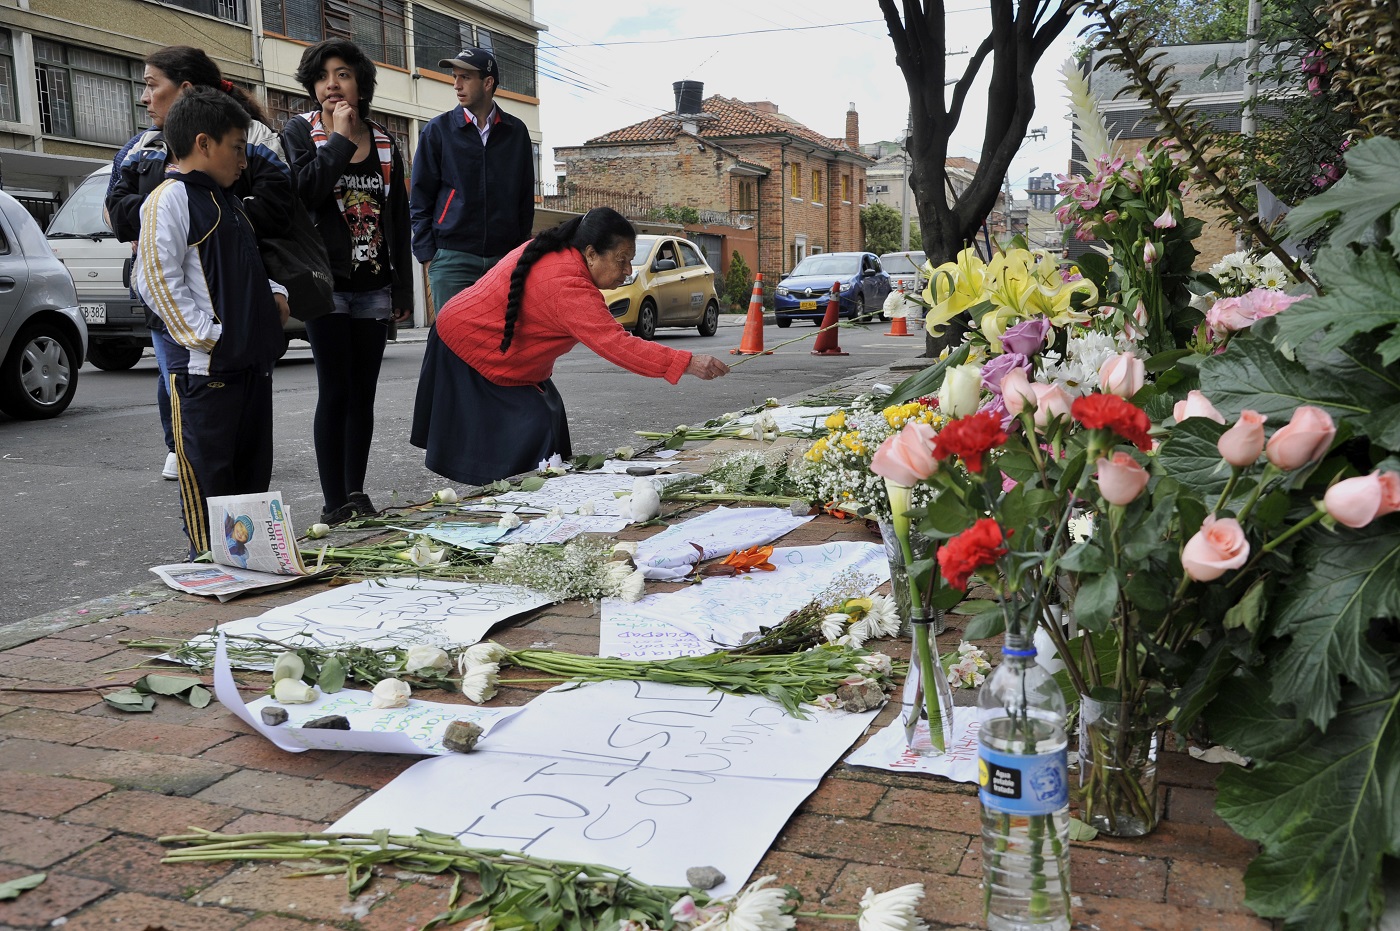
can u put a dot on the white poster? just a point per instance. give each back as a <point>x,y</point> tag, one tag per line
<point>725,608</point>
<point>391,612</point>
<point>649,778</point>
<point>569,492</point>
<point>673,553</point>
<point>799,421</point>
<point>887,749</point>
<point>562,529</point>
<point>416,729</point>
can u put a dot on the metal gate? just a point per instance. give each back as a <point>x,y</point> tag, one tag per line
<point>711,247</point>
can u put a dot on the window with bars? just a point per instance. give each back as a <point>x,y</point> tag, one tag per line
<point>437,36</point>
<point>282,106</point>
<point>87,95</point>
<point>9,98</point>
<point>377,26</point>
<point>515,58</point>
<point>295,19</point>
<point>235,11</point>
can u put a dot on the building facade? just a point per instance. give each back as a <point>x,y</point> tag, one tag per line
<point>770,188</point>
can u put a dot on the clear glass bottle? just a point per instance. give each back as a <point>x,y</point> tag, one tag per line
<point>1024,791</point>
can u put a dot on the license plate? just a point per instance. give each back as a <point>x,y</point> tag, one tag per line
<point>94,313</point>
<point>807,305</point>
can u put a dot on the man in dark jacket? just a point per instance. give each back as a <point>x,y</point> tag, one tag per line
<point>473,197</point>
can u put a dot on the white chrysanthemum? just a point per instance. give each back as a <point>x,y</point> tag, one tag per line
<point>883,616</point>
<point>390,693</point>
<point>479,682</point>
<point>853,638</point>
<point>479,654</point>
<point>617,573</point>
<point>754,909</point>
<point>834,625</point>
<point>893,910</point>
<point>1275,279</point>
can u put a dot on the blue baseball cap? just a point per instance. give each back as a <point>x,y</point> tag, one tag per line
<point>474,59</point>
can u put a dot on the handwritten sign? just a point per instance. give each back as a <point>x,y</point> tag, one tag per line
<point>888,750</point>
<point>391,612</point>
<point>568,492</point>
<point>723,609</point>
<point>646,777</point>
<point>648,638</point>
<point>563,529</point>
<point>672,552</point>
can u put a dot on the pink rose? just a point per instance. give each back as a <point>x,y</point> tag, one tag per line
<point>1241,444</point>
<point>1122,375</point>
<point>1121,479</point>
<point>1227,315</point>
<point>1356,502</point>
<point>1051,403</point>
<point>906,457</point>
<point>1305,438</point>
<point>1196,405</point>
<point>1217,546</point>
<point>1016,391</point>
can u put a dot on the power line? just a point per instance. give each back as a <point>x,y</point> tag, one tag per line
<point>722,35</point>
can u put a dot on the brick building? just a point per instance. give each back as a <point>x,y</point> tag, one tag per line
<point>770,188</point>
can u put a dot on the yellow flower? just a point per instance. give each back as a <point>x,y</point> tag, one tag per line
<point>817,451</point>
<point>836,420</point>
<point>852,442</point>
<point>953,288</point>
<point>899,414</point>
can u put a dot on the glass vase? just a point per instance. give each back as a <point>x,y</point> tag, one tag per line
<point>928,721</point>
<point>1118,744</point>
<point>900,589</point>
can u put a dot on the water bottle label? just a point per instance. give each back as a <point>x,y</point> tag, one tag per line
<point>1022,785</point>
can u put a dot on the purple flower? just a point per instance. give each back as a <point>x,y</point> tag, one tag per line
<point>994,371</point>
<point>1025,339</point>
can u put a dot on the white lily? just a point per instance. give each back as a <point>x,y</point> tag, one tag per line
<point>893,910</point>
<point>422,656</point>
<point>293,692</point>
<point>754,909</point>
<point>423,555</point>
<point>876,664</point>
<point>390,693</point>
<point>479,682</point>
<point>317,531</point>
<point>445,496</point>
<point>479,654</point>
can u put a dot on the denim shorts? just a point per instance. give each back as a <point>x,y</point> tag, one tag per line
<point>364,305</point>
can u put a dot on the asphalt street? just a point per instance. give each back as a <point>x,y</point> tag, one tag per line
<point>85,513</point>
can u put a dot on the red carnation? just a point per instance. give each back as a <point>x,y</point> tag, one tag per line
<point>977,546</point>
<point>969,439</point>
<point>1110,412</point>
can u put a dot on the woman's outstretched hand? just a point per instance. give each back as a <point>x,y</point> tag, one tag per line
<point>706,367</point>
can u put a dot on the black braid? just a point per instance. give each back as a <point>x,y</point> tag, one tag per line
<point>600,228</point>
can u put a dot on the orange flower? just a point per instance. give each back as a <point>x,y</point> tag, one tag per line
<point>755,557</point>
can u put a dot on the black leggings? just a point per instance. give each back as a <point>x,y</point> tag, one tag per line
<point>348,353</point>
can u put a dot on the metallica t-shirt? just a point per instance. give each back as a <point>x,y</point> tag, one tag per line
<point>362,205</point>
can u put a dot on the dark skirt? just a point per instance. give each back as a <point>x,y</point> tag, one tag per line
<point>476,431</point>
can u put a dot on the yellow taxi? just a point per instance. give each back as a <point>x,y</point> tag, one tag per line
<point>671,285</point>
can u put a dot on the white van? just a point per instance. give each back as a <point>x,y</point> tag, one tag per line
<point>101,270</point>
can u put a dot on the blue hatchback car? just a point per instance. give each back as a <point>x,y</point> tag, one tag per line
<point>804,293</point>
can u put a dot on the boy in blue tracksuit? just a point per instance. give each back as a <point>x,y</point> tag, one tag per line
<point>199,270</point>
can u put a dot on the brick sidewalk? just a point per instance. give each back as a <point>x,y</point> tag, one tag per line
<point>86,789</point>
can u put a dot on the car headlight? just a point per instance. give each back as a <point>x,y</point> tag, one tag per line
<point>781,292</point>
<point>841,286</point>
<point>628,280</point>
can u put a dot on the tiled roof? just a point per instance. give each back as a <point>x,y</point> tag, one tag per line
<point>724,118</point>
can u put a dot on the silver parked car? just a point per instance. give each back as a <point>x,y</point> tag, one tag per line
<point>906,270</point>
<point>42,335</point>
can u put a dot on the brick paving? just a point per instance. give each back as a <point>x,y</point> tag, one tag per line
<point>85,790</point>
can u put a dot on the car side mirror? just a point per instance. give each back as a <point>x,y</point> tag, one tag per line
<point>663,265</point>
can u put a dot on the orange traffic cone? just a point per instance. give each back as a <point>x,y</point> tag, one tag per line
<point>898,326</point>
<point>751,343</point>
<point>826,344</point>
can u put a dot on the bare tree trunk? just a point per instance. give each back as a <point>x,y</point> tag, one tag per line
<point>1020,33</point>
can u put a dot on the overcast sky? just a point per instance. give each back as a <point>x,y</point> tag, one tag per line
<point>603,67</point>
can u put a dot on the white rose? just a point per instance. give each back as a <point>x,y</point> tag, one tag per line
<point>445,496</point>
<point>646,500</point>
<point>318,531</point>
<point>293,692</point>
<point>288,666</point>
<point>508,521</point>
<point>961,392</point>
<point>422,657</point>
<point>634,586</point>
<point>587,509</point>
<point>390,693</point>
<point>625,452</point>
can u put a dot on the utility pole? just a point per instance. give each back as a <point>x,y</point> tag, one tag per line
<point>904,195</point>
<point>1251,54</point>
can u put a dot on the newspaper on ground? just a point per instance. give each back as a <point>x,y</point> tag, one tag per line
<point>253,548</point>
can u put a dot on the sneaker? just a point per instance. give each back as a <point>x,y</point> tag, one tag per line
<point>338,515</point>
<point>171,472</point>
<point>362,505</point>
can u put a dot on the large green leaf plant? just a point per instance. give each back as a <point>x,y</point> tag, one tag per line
<point>1315,702</point>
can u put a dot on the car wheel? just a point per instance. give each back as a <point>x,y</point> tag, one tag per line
<point>40,375</point>
<point>114,355</point>
<point>646,320</point>
<point>860,306</point>
<point>783,322</point>
<point>709,324</point>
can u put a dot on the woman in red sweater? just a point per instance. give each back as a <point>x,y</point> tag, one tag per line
<point>486,407</point>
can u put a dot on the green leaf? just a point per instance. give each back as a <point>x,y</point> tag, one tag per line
<point>1253,375</point>
<point>929,380</point>
<point>12,889</point>
<point>199,697</point>
<point>165,685</point>
<point>1079,831</point>
<point>1369,190</point>
<point>985,625</point>
<point>1248,611</point>
<point>1321,804</point>
<point>1340,583</point>
<point>1096,601</point>
<point>1364,296</point>
<point>532,483</point>
<point>332,675</point>
<point>1084,557</point>
<point>1190,455</point>
<point>130,700</point>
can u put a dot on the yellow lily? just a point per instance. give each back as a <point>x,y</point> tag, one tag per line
<point>954,287</point>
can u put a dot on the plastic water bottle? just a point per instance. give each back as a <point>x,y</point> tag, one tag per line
<point>1024,791</point>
